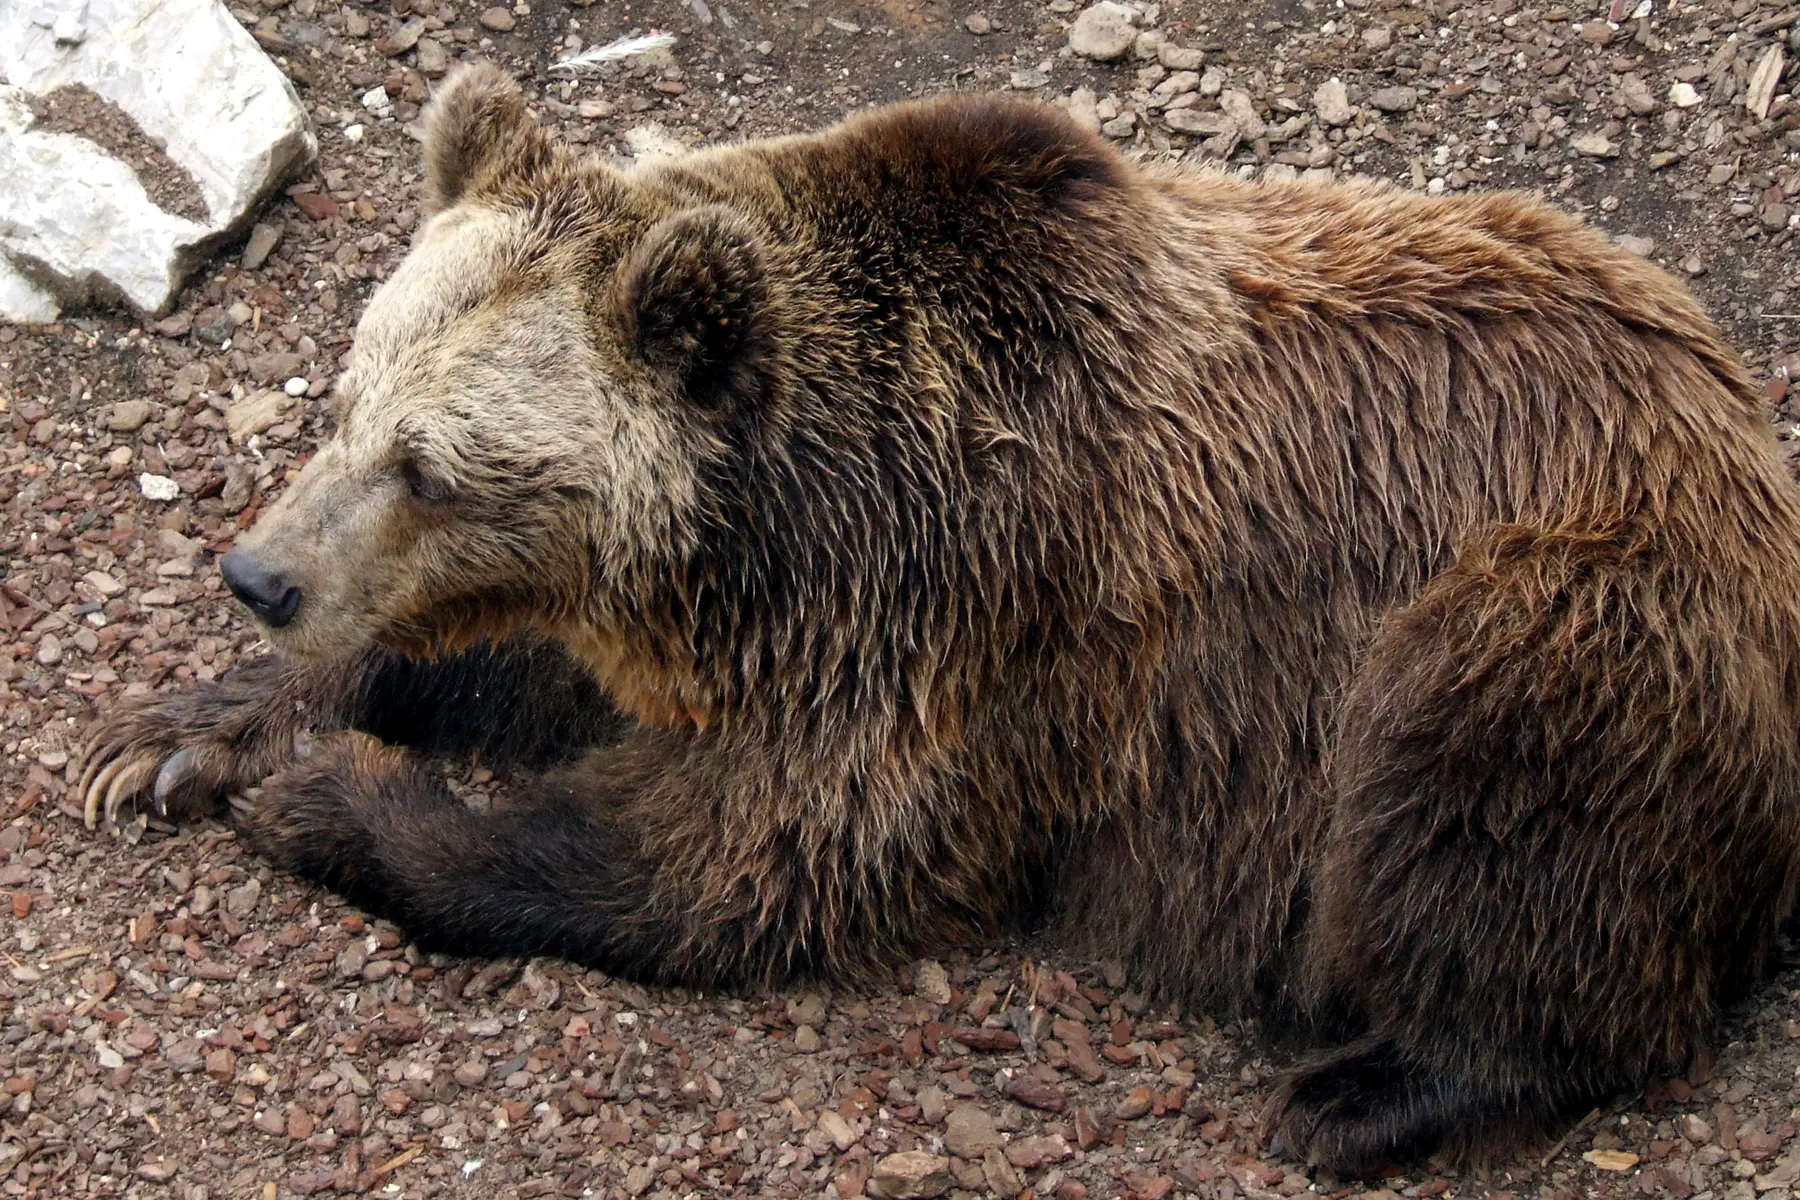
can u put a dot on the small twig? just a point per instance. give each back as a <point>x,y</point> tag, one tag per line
<point>31,601</point>
<point>1781,316</point>
<point>395,1163</point>
<point>1563,1142</point>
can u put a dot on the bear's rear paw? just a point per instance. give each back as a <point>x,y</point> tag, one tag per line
<point>184,751</point>
<point>1362,1108</point>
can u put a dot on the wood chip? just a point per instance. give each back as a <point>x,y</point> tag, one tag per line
<point>1612,1160</point>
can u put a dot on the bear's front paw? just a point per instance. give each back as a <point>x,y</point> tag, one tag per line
<point>317,817</point>
<point>1360,1110</point>
<point>162,749</point>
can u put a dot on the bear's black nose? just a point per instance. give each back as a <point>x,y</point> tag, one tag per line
<point>266,592</point>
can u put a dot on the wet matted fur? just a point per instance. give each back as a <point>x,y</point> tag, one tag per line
<point>1371,611</point>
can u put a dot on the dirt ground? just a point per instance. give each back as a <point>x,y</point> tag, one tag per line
<point>182,1021</point>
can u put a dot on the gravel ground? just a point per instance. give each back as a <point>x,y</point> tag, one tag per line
<point>181,1021</point>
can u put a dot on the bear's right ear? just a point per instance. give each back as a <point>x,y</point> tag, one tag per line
<point>479,138</point>
<point>692,300</point>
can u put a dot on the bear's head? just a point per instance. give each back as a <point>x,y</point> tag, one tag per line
<point>751,428</point>
<point>528,402</point>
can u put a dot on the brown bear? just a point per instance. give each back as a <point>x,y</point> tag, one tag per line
<point>1374,613</point>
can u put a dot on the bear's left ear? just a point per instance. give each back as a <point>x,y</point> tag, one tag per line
<point>692,300</point>
<point>479,138</point>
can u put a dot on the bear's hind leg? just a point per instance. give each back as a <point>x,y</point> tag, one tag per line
<point>1564,826</point>
<point>1363,1108</point>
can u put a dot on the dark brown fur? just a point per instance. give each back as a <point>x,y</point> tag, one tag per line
<point>1367,610</point>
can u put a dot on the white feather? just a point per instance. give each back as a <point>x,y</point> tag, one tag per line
<point>629,47</point>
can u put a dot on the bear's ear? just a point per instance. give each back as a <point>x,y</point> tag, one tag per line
<point>692,300</point>
<point>478,137</point>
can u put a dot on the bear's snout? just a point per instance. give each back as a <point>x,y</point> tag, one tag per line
<point>266,592</point>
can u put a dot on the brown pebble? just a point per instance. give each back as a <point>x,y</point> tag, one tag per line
<point>1134,1105</point>
<point>221,1064</point>
<point>1085,1063</point>
<point>300,1123</point>
<point>1034,1093</point>
<point>346,1116</point>
<point>982,1038</point>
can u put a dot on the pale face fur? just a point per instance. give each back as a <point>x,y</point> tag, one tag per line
<point>497,460</point>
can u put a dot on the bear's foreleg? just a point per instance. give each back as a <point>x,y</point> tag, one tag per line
<point>1566,779</point>
<point>525,701</point>
<point>372,823</point>
<point>655,858</point>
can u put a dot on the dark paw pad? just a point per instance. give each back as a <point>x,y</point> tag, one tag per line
<point>1362,1110</point>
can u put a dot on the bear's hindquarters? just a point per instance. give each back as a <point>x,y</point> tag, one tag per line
<point>1565,826</point>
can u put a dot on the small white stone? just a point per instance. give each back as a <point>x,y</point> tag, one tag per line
<point>1594,145</point>
<point>1081,108</point>
<point>932,982</point>
<point>1179,58</point>
<point>1683,95</point>
<point>68,30</point>
<point>652,142</point>
<point>295,387</point>
<point>158,487</point>
<point>353,133</point>
<point>24,301</point>
<point>1762,82</point>
<point>376,100</point>
<point>255,414</point>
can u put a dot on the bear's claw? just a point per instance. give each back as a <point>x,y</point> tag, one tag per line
<point>109,781</point>
<point>176,771</point>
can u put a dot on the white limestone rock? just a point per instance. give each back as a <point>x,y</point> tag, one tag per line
<point>1104,32</point>
<point>76,224</point>
<point>24,301</point>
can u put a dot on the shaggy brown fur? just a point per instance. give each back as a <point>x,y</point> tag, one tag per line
<point>1373,611</point>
